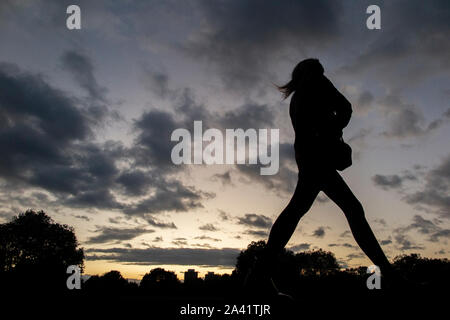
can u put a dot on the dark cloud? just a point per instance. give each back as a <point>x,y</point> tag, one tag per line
<point>319,232</point>
<point>169,256</point>
<point>360,136</point>
<point>405,119</point>
<point>152,147</point>
<point>46,136</point>
<point>180,242</point>
<point>207,238</point>
<point>224,178</point>
<point>106,235</point>
<point>99,198</point>
<point>223,215</point>
<point>423,226</point>
<point>43,137</point>
<point>82,69</point>
<point>405,243</point>
<point>345,234</point>
<point>158,83</point>
<point>135,182</point>
<point>154,128</point>
<point>163,225</point>
<point>170,195</point>
<point>96,103</point>
<point>300,247</point>
<point>345,245</point>
<point>355,255</point>
<point>394,181</point>
<point>387,182</point>
<point>81,217</point>
<point>37,114</point>
<point>208,227</point>
<point>115,220</point>
<point>239,37</point>
<point>257,233</point>
<point>202,245</point>
<point>441,234</point>
<point>381,222</point>
<point>365,101</point>
<point>46,139</point>
<point>255,220</point>
<point>284,181</point>
<point>403,56</point>
<point>91,168</point>
<point>248,115</point>
<point>434,193</point>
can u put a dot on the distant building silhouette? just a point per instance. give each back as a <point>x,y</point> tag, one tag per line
<point>210,276</point>
<point>190,275</point>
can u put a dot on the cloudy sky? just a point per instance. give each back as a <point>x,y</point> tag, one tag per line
<point>86,117</point>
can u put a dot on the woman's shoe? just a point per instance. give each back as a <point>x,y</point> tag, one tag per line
<point>258,280</point>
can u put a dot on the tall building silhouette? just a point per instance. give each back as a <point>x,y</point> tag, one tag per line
<point>190,275</point>
<point>210,276</point>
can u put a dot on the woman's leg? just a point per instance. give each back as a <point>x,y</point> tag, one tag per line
<point>286,223</point>
<point>281,232</point>
<point>338,191</point>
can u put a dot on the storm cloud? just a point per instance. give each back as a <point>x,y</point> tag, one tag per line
<point>172,256</point>
<point>105,234</point>
<point>240,36</point>
<point>434,194</point>
<point>255,220</point>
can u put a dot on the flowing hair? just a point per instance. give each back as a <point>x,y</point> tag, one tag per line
<point>302,72</point>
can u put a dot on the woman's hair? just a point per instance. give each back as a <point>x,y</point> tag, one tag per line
<point>303,71</point>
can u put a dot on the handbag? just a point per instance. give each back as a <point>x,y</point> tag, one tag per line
<point>342,154</point>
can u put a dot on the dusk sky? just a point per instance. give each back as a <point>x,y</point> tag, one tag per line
<point>86,117</point>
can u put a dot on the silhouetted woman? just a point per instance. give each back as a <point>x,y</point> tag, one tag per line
<point>318,113</point>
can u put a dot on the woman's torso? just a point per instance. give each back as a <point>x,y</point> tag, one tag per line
<point>318,113</point>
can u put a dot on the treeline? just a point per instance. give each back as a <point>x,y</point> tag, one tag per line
<point>35,252</point>
<point>311,271</point>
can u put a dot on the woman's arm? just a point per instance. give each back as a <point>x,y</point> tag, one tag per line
<point>340,106</point>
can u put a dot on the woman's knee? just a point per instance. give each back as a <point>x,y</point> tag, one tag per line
<point>354,210</point>
<point>292,213</point>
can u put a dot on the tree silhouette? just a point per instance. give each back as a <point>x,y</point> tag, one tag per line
<point>246,258</point>
<point>159,280</point>
<point>316,262</point>
<point>290,268</point>
<point>33,247</point>
<point>424,270</point>
<point>110,283</point>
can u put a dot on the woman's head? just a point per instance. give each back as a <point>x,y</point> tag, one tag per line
<point>305,71</point>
